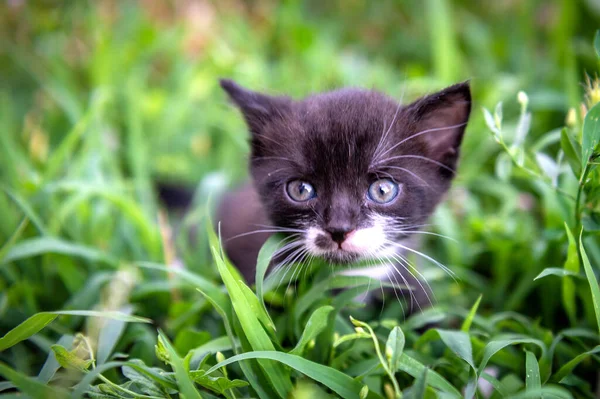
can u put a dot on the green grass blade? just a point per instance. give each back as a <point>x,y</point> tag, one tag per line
<point>568,285</point>
<point>415,368</point>
<point>316,323</point>
<point>532,372</point>
<point>594,288</point>
<point>26,329</point>
<point>31,386</point>
<point>44,245</point>
<point>250,324</point>
<point>466,326</point>
<point>340,383</point>
<point>184,381</point>
<point>262,263</point>
<point>38,321</point>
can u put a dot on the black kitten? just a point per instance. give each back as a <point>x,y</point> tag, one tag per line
<point>348,174</point>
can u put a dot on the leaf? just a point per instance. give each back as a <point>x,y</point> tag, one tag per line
<point>51,365</point>
<point>597,43</point>
<point>589,272</point>
<point>315,324</point>
<point>568,286</point>
<point>568,367</point>
<point>30,386</point>
<point>572,151</point>
<point>418,388</point>
<point>532,372</point>
<point>414,368</point>
<point>70,360</point>
<point>466,326</point>
<point>43,245</point>
<point>591,135</point>
<point>556,271</point>
<point>109,335</point>
<point>184,381</point>
<point>340,383</point>
<point>495,346</point>
<point>216,384</point>
<point>258,309</point>
<point>394,347</point>
<point>459,343</point>
<point>262,263</point>
<point>253,330</point>
<point>40,320</point>
<point>26,329</point>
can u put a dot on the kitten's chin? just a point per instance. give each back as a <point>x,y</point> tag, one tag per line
<point>340,256</point>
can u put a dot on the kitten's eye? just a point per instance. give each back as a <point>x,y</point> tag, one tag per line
<point>300,191</point>
<point>383,191</point>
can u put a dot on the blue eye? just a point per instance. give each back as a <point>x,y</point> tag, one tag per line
<point>300,191</point>
<point>383,191</point>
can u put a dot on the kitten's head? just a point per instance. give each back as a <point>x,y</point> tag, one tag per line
<point>351,170</point>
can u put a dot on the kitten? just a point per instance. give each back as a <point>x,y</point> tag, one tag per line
<point>349,174</point>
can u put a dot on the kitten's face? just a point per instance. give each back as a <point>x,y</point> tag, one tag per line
<point>352,172</point>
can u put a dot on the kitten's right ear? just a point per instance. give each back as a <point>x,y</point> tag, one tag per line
<point>258,109</point>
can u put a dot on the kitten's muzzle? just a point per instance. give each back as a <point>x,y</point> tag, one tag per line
<point>339,235</point>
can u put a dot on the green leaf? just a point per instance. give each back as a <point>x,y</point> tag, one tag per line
<point>316,323</point>
<point>418,388</point>
<point>572,151</point>
<point>415,368</point>
<point>597,43</point>
<point>262,263</point>
<point>51,365</point>
<point>556,271</point>
<point>591,135</point>
<point>532,372</point>
<point>26,329</point>
<point>258,309</point>
<point>70,360</point>
<point>40,320</point>
<point>459,343</point>
<point>495,346</point>
<point>253,330</point>
<point>589,272</point>
<point>466,326</point>
<point>394,347</point>
<point>182,376</point>
<point>340,383</point>
<point>43,245</point>
<point>30,386</point>
<point>568,286</point>
<point>568,367</point>
<point>216,384</point>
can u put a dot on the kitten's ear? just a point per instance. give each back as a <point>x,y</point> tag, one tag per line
<point>441,118</point>
<point>258,109</point>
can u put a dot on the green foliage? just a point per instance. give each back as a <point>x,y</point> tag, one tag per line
<point>100,298</point>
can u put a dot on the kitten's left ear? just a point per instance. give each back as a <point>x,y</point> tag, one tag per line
<point>441,118</point>
<point>258,109</point>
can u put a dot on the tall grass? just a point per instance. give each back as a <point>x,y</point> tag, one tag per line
<point>100,100</point>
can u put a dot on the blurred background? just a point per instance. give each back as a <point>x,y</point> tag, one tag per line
<point>101,100</point>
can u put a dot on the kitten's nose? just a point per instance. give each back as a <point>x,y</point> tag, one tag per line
<point>338,235</point>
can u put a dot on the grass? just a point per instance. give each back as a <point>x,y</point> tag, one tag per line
<point>104,99</point>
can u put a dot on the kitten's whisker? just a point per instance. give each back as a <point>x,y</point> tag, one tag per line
<point>382,139</point>
<point>422,232</point>
<point>441,165</point>
<point>406,265</point>
<point>443,267</point>
<point>255,232</point>
<point>283,229</point>
<point>410,173</point>
<point>423,132</point>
